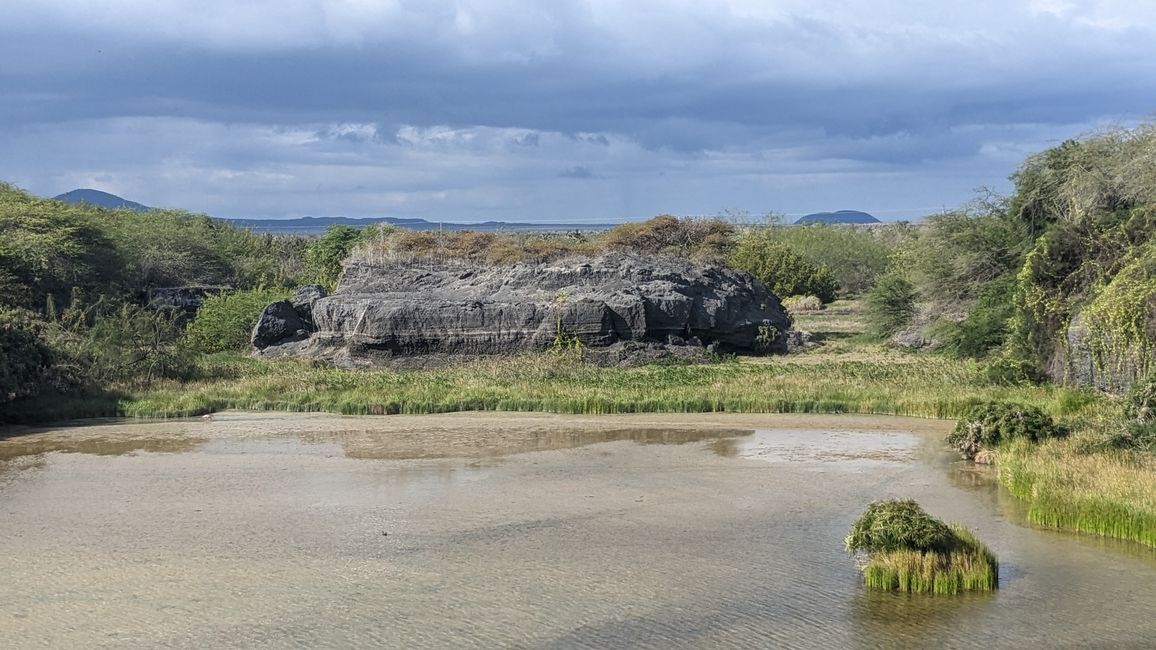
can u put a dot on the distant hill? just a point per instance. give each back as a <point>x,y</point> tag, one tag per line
<point>317,225</point>
<point>840,216</point>
<point>100,199</point>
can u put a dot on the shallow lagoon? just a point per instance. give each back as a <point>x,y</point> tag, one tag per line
<point>520,530</point>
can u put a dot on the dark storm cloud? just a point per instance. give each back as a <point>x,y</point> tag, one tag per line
<point>385,103</point>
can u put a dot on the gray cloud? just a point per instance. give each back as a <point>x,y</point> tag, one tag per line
<point>468,109</point>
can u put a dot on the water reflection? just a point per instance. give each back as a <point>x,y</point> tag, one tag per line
<point>497,442</point>
<point>34,445</point>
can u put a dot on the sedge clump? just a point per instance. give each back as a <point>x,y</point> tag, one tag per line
<point>908,550</point>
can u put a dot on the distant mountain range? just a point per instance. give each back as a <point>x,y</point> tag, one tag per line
<point>839,216</point>
<point>100,199</point>
<point>318,225</point>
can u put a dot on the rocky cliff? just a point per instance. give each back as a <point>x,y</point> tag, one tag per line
<point>383,312</point>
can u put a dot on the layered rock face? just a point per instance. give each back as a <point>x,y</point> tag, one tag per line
<point>382,312</point>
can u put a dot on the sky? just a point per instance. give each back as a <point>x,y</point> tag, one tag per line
<point>561,110</point>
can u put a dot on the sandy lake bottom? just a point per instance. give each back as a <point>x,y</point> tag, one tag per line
<point>520,530</point>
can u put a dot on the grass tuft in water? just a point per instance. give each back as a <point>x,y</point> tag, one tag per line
<point>969,566</point>
<point>910,551</point>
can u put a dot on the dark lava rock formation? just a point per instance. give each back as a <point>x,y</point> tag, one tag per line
<point>622,308</point>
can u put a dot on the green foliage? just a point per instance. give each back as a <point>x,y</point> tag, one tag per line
<point>986,326</point>
<point>1140,405</point>
<point>990,424</point>
<point>854,256</point>
<point>324,255</point>
<point>1097,201</point>
<point>1011,371</point>
<point>1136,436</point>
<point>898,524</point>
<point>50,248</point>
<point>890,305</point>
<point>109,343</point>
<point>783,270</point>
<point>47,250</point>
<point>26,362</point>
<point>1121,319</point>
<point>957,254</point>
<point>225,321</point>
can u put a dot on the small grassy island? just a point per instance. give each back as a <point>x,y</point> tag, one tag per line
<point>908,550</point>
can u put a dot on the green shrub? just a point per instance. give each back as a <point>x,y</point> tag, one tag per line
<point>324,255</point>
<point>224,322</point>
<point>855,256</point>
<point>784,271</point>
<point>986,326</point>
<point>1138,436</point>
<point>109,343</point>
<point>26,362</point>
<point>987,425</point>
<point>890,305</point>
<point>1140,405</point>
<point>1011,371</point>
<point>895,525</point>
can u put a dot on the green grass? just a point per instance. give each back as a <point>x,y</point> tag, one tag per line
<point>923,387</point>
<point>968,567</point>
<point>1067,486</point>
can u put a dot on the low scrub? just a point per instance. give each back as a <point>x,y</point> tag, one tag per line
<point>909,550</point>
<point>802,303</point>
<point>987,425</point>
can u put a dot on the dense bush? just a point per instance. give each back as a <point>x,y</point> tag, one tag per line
<point>783,270</point>
<point>48,249</point>
<point>855,256</point>
<point>1010,371</point>
<point>1136,436</point>
<point>325,254</point>
<point>112,343</point>
<point>896,525</point>
<point>224,323</point>
<point>26,362</point>
<point>987,425</point>
<point>986,325</point>
<point>890,305</point>
<point>1140,405</point>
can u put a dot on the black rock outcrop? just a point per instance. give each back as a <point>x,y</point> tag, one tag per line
<point>382,312</point>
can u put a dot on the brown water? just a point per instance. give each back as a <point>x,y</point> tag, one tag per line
<point>519,531</point>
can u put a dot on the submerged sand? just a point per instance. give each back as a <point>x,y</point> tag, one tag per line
<point>517,530</point>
